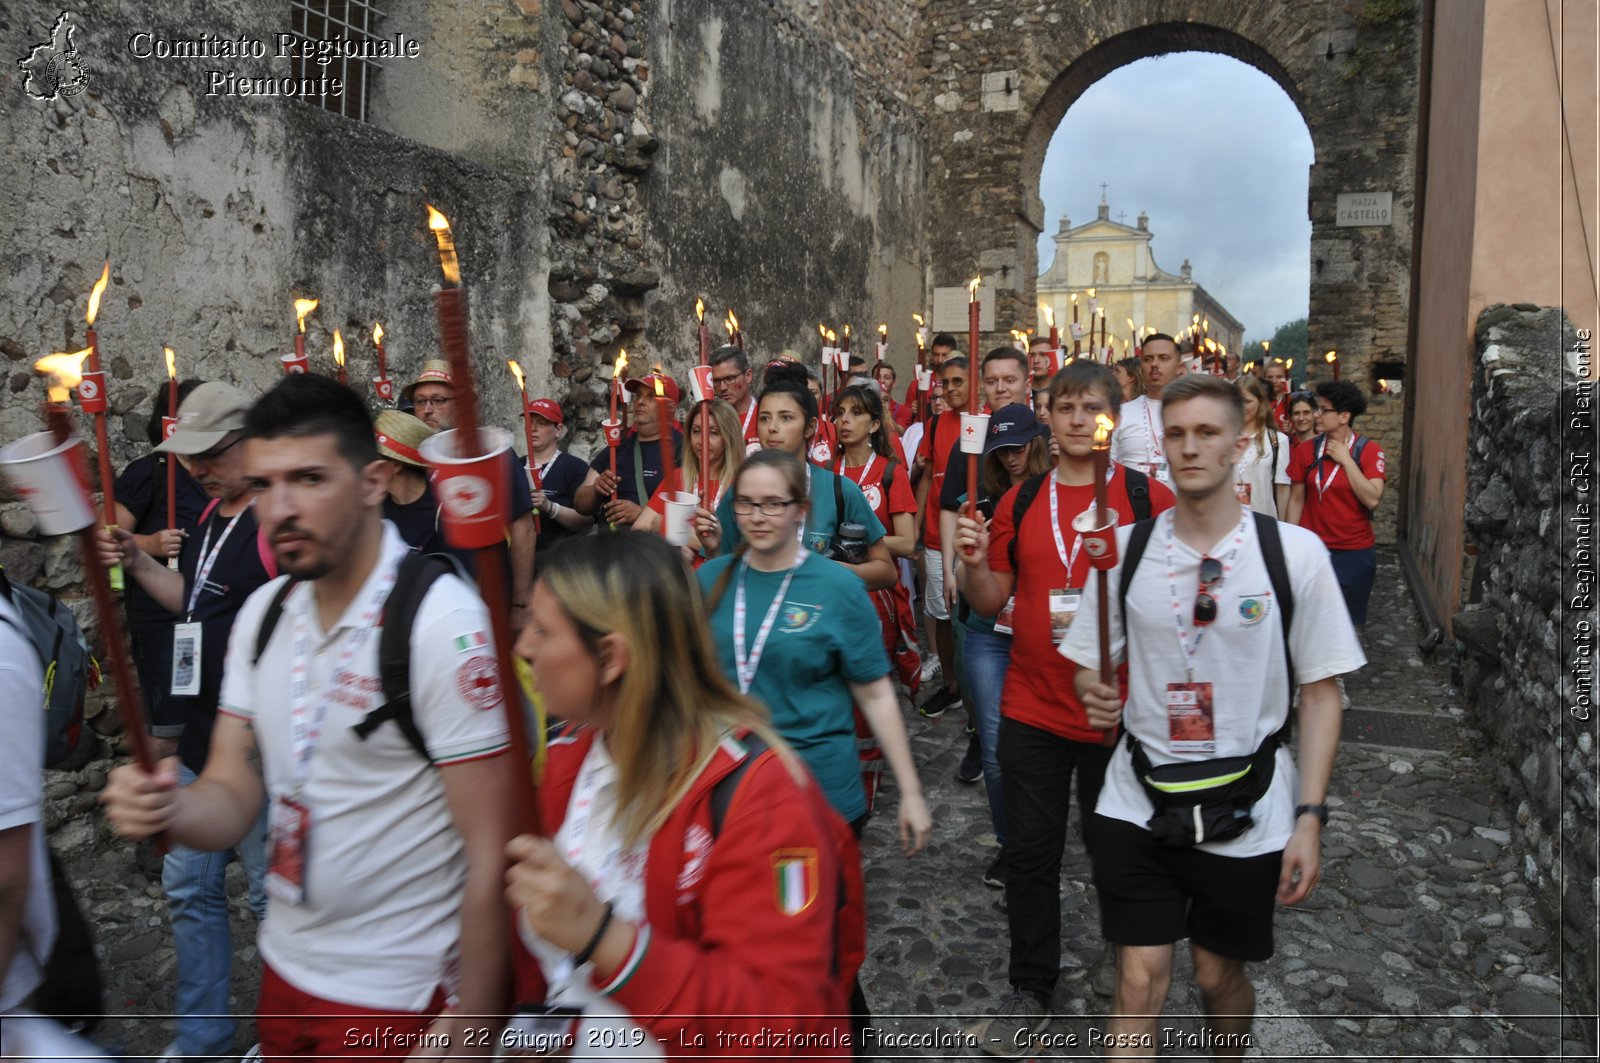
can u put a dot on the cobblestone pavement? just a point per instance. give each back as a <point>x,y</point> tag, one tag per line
<point>1421,940</point>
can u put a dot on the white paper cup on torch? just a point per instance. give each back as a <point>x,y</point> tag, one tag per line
<point>924,379</point>
<point>1099,540</point>
<point>700,383</point>
<point>680,507</point>
<point>974,430</point>
<point>42,471</point>
<point>295,364</point>
<point>92,393</point>
<point>472,491</point>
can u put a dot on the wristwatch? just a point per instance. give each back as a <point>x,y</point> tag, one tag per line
<point>1320,811</point>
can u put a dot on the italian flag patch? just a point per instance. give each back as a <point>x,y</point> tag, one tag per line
<point>467,643</point>
<point>794,879</point>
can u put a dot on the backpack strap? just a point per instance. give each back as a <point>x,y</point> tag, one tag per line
<point>210,507</point>
<point>417,575</point>
<point>1137,541</point>
<point>888,476</point>
<point>270,618</point>
<point>1019,508</point>
<point>838,502</point>
<point>1278,572</point>
<point>1137,486</point>
<point>722,792</point>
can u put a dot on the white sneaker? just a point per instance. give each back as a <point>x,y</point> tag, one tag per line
<point>931,669</point>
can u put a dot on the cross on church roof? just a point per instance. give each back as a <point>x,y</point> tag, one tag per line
<point>1102,191</point>
<point>1120,215</point>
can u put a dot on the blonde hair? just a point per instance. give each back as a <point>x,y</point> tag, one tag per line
<point>728,427</point>
<point>1259,390</point>
<point>673,704</point>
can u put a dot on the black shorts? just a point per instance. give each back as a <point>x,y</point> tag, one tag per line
<point>1152,894</point>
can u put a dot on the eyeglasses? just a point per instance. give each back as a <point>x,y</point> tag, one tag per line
<point>216,452</point>
<point>727,379</point>
<point>772,507</point>
<point>1205,606</point>
<point>431,403</point>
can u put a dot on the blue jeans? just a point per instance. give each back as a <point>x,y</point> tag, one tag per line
<point>984,658</point>
<point>197,903</point>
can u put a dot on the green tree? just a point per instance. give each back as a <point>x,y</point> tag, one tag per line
<point>1288,341</point>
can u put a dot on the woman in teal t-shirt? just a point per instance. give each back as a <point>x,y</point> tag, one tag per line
<point>799,633</point>
<point>787,416</point>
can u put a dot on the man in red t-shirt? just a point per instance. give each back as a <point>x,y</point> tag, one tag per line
<point>730,379</point>
<point>1336,481</point>
<point>1045,735</point>
<point>942,432</point>
<point>1277,375</point>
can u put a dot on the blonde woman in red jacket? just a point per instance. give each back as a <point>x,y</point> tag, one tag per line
<point>651,924</point>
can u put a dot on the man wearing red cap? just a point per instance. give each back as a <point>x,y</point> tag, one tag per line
<point>560,477</point>
<point>620,496</point>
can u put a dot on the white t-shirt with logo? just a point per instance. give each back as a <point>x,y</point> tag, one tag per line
<point>1258,470</point>
<point>1240,655</point>
<point>22,803</point>
<point>1137,440</point>
<point>384,864</point>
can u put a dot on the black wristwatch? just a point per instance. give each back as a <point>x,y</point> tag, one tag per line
<point>1320,811</point>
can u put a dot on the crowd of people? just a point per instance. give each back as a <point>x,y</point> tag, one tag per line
<point>322,683</point>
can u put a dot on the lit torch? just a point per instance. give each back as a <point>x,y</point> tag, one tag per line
<point>169,424</point>
<point>613,427</point>
<point>664,419</point>
<point>93,398</point>
<point>1102,459</point>
<point>338,357</point>
<point>381,384</point>
<point>527,427</point>
<point>883,342</point>
<point>1333,360</point>
<point>297,363</point>
<point>972,389</point>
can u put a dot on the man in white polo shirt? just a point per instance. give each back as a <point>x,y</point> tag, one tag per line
<point>384,869</point>
<point>1187,843</point>
<point>1137,442</point>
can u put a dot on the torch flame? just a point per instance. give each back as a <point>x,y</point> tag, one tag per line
<point>338,349</point>
<point>620,364</point>
<point>377,333</point>
<point>1211,344</point>
<point>973,288</point>
<point>447,246</point>
<point>883,331</point>
<point>302,307</point>
<point>733,319</point>
<point>1091,293</point>
<point>172,363</point>
<point>1050,317</point>
<point>847,330</point>
<point>1266,345</point>
<point>1206,324</point>
<point>65,371</point>
<point>1130,324</point>
<point>516,371</point>
<point>699,309</point>
<point>661,390</point>
<point>99,290</point>
<point>833,337</point>
<point>1074,297</point>
<point>1102,430</point>
<point>918,319</point>
<point>822,330</point>
<point>1099,311</point>
<point>1331,357</point>
<point>1289,364</point>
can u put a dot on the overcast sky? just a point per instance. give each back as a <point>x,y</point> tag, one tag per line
<point>1240,219</point>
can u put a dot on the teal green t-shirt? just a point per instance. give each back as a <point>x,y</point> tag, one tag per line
<point>823,518</point>
<point>825,636</point>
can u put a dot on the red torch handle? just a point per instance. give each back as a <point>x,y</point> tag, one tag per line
<point>492,574</point>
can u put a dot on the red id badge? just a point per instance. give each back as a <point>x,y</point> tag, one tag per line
<point>289,834</point>
<point>1191,726</point>
<point>1005,619</point>
<point>1241,491</point>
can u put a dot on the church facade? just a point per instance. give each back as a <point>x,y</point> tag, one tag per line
<point>1116,261</point>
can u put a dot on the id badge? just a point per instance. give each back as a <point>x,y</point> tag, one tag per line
<point>289,834</point>
<point>1191,725</point>
<point>1063,607</point>
<point>1242,492</point>
<point>547,1031</point>
<point>1159,471</point>
<point>1004,619</point>
<point>186,640</point>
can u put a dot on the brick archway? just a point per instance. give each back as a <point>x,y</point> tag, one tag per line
<point>997,86</point>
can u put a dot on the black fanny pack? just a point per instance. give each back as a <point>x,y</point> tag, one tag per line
<point>1204,800</point>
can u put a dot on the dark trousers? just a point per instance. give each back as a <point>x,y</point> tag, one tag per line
<point>1036,769</point>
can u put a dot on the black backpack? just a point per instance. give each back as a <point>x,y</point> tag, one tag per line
<point>418,572</point>
<point>1136,483</point>
<point>70,670</point>
<point>1357,445</point>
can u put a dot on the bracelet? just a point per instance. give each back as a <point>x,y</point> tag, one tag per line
<point>581,957</point>
<point>1320,811</point>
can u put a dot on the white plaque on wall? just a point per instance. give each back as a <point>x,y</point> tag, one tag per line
<point>950,311</point>
<point>1364,208</point>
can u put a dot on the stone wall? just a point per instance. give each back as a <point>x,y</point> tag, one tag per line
<point>1518,632</point>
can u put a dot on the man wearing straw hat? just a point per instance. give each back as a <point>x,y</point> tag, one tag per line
<point>220,566</point>
<point>432,394</point>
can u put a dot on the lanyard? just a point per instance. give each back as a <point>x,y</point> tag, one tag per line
<point>209,560</point>
<point>1189,651</point>
<point>1323,482</point>
<point>746,666</point>
<point>1055,523</point>
<point>866,470</point>
<point>749,417</point>
<point>1155,436</point>
<point>801,536</point>
<point>305,728</point>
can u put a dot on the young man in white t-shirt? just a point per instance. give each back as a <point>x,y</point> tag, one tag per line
<point>1200,604</point>
<point>384,869</point>
<point>1138,439</point>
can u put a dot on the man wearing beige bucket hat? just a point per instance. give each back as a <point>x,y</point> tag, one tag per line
<point>433,396</point>
<point>410,503</point>
<point>221,564</point>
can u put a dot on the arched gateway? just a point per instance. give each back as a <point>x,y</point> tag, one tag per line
<point>998,82</point>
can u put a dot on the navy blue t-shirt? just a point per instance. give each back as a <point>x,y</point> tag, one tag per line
<point>236,574</point>
<point>637,461</point>
<point>142,490</point>
<point>420,525</point>
<point>561,479</point>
